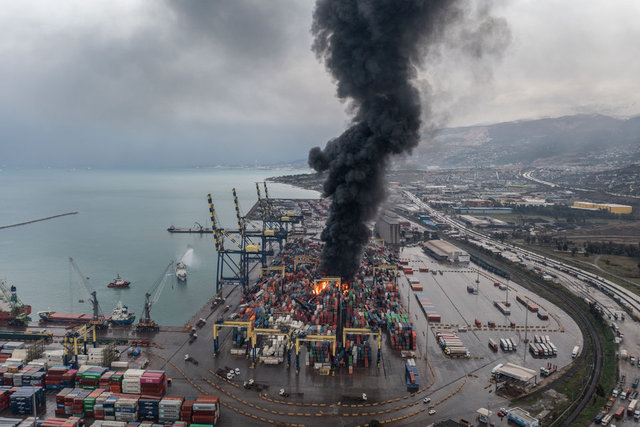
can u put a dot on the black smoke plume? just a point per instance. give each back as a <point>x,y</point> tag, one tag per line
<point>372,49</point>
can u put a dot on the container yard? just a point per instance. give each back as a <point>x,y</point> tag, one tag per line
<point>296,347</point>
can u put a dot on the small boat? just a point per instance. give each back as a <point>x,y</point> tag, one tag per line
<point>121,315</point>
<point>118,282</point>
<point>181,271</point>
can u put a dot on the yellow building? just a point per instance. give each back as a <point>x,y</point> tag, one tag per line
<point>611,207</point>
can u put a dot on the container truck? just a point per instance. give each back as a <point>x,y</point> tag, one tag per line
<point>533,350</point>
<point>457,351</point>
<point>542,315</point>
<point>493,345</point>
<point>619,413</point>
<point>631,409</point>
<point>503,345</point>
<point>478,323</point>
<point>606,420</point>
<point>575,351</point>
<point>554,349</point>
<point>512,344</point>
<point>411,376</point>
<point>503,308</point>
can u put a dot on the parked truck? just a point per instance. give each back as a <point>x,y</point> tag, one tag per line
<point>411,376</point>
<point>493,345</point>
<point>631,409</point>
<point>575,351</point>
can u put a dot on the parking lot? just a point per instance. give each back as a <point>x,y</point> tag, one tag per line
<point>457,307</point>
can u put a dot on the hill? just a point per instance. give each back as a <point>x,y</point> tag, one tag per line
<point>570,140</point>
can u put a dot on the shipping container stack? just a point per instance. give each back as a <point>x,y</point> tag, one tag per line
<point>131,381</point>
<point>22,400</point>
<point>169,409</point>
<point>115,382</point>
<point>53,379</point>
<point>153,383</point>
<point>206,410</point>
<point>62,422</point>
<point>5,398</point>
<point>186,411</point>
<point>149,408</point>
<point>88,376</point>
<point>126,408</point>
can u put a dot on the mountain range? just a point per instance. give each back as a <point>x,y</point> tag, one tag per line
<point>570,140</point>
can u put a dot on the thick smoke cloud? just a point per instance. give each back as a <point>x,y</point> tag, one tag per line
<point>372,49</point>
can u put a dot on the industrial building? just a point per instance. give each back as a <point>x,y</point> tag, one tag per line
<point>445,251</point>
<point>515,376</point>
<point>388,227</point>
<point>482,210</point>
<point>472,221</point>
<point>611,207</point>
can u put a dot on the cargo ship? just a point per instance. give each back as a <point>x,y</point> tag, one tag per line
<point>71,318</point>
<point>12,310</point>
<point>121,315</point>
<point>118,282</point>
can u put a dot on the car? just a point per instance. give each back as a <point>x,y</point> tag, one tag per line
<point>501,414</point>
<point>426,400</point>
<point>229,375</point>
<point>237,371</point>
<point>432,411</point>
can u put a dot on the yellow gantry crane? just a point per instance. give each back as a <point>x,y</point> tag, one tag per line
<point>231,324</point>
<point>71,341</point>
<point>270,332</point>
<point>317,338</point>
<point>385,267</point>
<point>304,259</point>
<point>363,331</point>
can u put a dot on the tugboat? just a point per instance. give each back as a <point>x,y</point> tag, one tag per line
<point>181,271</point>
<point>121,315</point>
<point>118,282</point>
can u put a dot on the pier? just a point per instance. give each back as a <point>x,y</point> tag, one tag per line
<point>37,220</point>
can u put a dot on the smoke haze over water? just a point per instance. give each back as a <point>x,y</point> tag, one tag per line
<point>372,49</point>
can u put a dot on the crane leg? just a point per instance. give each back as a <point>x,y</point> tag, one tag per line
<point>215,347</point>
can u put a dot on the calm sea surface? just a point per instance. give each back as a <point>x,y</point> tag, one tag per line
<point>120,228</point>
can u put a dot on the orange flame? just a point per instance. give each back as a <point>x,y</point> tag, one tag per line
<point>320,287</point>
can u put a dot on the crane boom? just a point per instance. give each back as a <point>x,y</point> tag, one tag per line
<point>152,297</point>
<point>80,278</point>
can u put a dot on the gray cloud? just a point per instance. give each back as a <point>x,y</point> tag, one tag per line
<point>143,82</point>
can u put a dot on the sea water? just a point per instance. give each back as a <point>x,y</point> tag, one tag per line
<point>120,228</point>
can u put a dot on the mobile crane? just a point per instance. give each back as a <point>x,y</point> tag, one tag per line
<point>146,324</point>
<point>99,321</point>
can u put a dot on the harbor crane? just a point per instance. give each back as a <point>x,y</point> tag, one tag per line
<point>233,262</point>
<point>99,321</point>
<point>146,323</point>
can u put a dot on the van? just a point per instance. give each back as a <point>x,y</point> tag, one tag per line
<point>574,353</point>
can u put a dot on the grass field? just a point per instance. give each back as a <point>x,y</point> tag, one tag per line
<point>621,266</point>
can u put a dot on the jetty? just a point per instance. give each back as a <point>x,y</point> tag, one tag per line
<point>37,220</point>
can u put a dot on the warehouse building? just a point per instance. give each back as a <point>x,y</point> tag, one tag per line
<point>445,251</point>
<point>611,207</point>
<point>472,221</point>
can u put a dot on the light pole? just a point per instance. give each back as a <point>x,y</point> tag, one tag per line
<point>526,321</point>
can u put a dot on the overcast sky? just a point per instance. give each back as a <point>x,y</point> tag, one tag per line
<point>185,83</point>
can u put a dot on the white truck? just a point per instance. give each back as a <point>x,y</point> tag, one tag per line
<point>575,351</point>
<point>624,354</point>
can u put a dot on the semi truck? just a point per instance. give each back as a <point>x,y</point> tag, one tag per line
<point>493,345</point>
<point>411,376</point>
